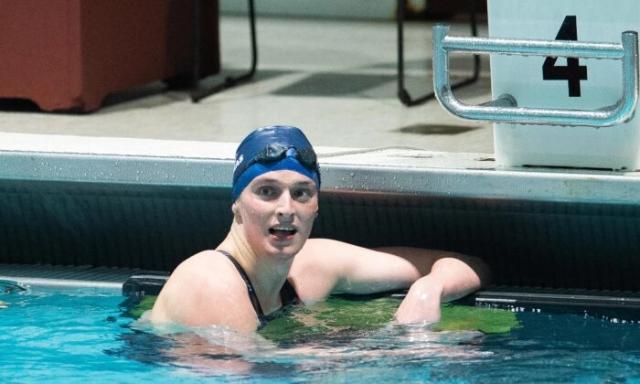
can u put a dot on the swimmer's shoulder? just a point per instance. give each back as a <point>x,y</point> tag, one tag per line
<point>203,290</point>
<point>207,266</point>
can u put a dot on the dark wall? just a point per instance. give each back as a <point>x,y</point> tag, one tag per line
<point>533,244</point>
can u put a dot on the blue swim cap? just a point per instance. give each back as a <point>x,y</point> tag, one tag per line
<point>273,148</point>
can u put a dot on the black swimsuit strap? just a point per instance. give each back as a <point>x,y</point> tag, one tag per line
<point>252,292</point>
<point>288,294</point>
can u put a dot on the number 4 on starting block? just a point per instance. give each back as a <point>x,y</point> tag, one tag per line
<point>563,82</point>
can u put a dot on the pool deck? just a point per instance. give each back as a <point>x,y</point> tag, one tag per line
<point>334,79</point>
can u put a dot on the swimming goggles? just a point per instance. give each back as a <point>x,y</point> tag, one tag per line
<point>276,152</point>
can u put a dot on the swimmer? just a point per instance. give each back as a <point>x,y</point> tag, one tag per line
<point>267,260</point>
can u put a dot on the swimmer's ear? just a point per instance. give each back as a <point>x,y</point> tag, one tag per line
<point>234,210</point>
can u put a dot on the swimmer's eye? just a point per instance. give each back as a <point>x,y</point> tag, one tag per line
<point>302,193</point>
<point>267,191</point>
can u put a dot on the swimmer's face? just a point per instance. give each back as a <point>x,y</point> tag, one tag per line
<point>277,210</point>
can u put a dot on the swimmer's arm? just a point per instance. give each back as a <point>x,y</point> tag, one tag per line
<point>432,276</point>
<point>337,267</point>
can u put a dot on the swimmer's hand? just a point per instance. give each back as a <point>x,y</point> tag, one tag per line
<point>450,278</point>
<point>422,303</point>
<point>3,305</point>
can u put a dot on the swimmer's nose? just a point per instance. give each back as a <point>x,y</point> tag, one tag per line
<point>284,210</point>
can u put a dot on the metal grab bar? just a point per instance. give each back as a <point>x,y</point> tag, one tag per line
<point>505,109</point>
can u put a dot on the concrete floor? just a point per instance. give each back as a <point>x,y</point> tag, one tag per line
<point>335,79</point>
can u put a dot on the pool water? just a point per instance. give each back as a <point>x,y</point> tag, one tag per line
<point>72,335</point>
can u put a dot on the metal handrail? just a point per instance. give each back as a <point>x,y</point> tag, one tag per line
<point>505,108</point>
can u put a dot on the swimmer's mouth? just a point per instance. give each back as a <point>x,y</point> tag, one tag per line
<point>283,231</point>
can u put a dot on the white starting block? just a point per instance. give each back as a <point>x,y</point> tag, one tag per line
<point>564,78</point>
